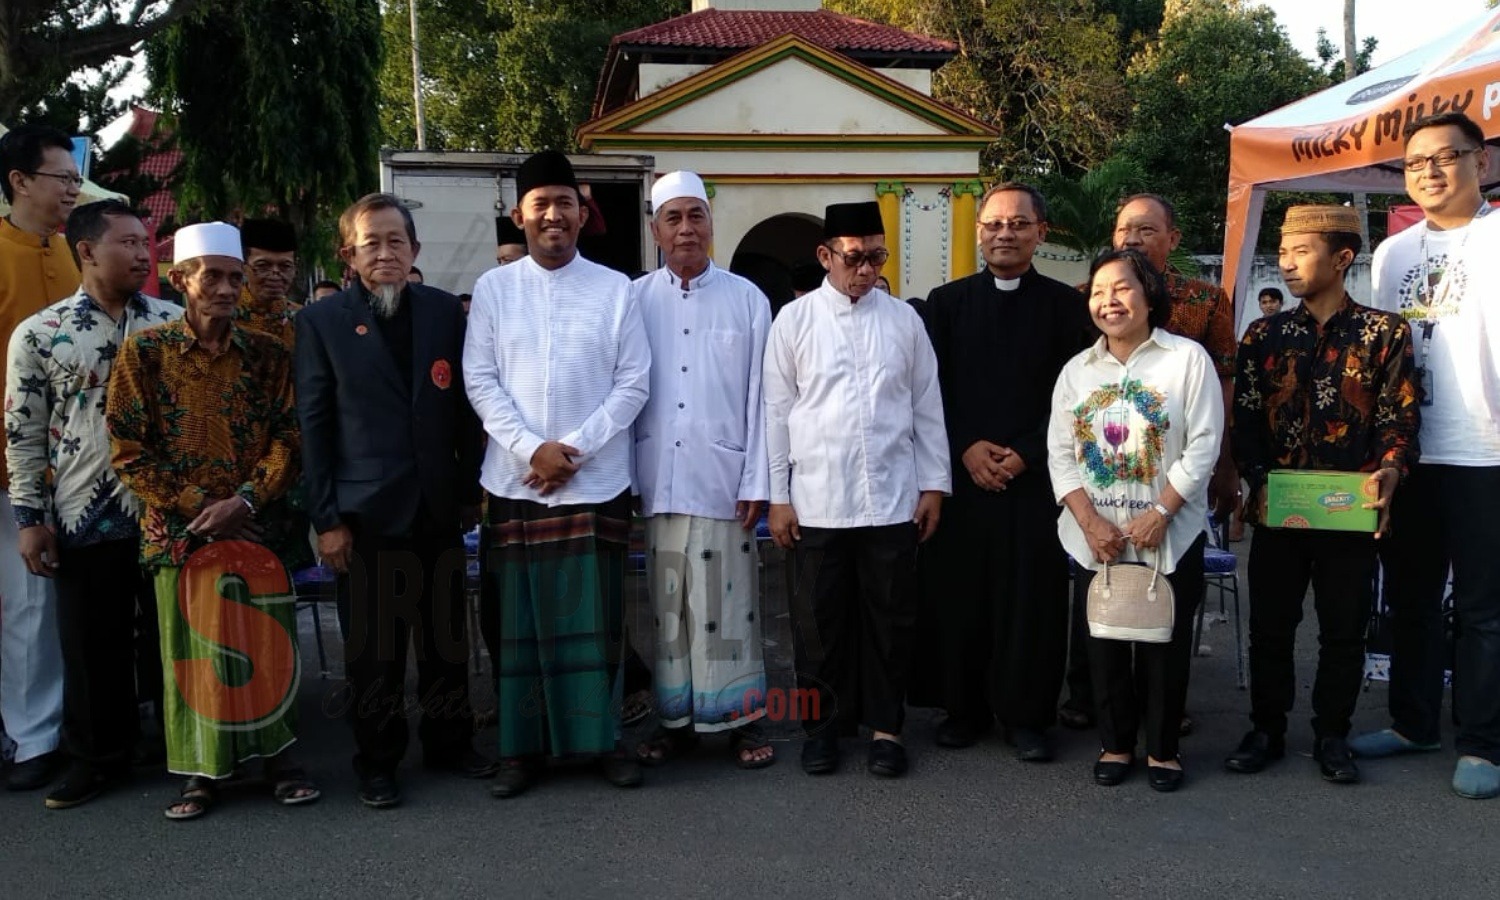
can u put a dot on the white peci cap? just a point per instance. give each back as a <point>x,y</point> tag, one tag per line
<point>675,185</point>
<point>206,239</point>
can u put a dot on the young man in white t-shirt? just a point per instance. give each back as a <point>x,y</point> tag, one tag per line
<point>1440,277</point>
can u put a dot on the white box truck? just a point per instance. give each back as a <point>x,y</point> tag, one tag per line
<point>455,196</point>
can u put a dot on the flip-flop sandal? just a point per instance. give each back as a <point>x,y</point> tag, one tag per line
<point>636,708</point>
<point>293,788</point>
<point>670,743</point>
<point>197,798</point>
<point>746,739</point>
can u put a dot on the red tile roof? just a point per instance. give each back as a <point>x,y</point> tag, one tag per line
<point>741,29</point>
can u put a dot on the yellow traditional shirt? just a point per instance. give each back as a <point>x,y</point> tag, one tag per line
<point>274,319</point>
<point>34,272</point>
<point>189,428</point>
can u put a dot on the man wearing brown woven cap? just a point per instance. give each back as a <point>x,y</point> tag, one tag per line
<point>1326,386</point>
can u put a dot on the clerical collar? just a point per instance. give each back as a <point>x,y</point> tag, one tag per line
<point>1008,284</point>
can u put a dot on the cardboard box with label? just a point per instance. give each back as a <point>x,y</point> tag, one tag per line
<point>1328,501</point>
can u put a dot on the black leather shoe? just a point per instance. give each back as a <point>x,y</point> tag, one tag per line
<point>1109,774</point>
<point>622,770</point>
<point>1335,761</point>
<point>1164,779</point>
<point>516,777</point>
<point>887,759</point>
<point>1076,719</point>
<point>379,791</point>
<point>468,764</point>
<point>956,734</point>
<point>1255,751</point>
<point>34,773</point>
<point>1031,746</point>
<point>80,784</point>
<point>820,755</point>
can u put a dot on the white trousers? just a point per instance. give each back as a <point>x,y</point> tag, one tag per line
<point>31,670</point>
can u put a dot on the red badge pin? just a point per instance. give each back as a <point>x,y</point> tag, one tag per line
<point>361,330</point>
<point>442,374</point>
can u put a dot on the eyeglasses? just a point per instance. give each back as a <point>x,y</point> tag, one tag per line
<point>71,178</point>
<point>995,226</point>
<point>265,267</point>
<point>856,258</point>
<point>1442,159</point>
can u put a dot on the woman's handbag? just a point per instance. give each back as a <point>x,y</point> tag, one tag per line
<point>1132,602</point>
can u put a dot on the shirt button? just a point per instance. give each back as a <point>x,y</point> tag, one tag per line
<point>687,331</point>
<point>684,368</point>
<point>682,406</point>
<point>679,443</point>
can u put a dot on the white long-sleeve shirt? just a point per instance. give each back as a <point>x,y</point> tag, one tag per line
<point>1123,431</point>
<point>556,355</point>
<point>700,442</point>
<point>854,414</point>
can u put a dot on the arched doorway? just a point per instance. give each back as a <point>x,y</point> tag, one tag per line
<point>769,251</point>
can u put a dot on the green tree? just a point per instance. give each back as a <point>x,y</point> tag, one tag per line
<point>43,43</point>
<point>273,104</point>
<point>1081,210</point>
<point>503,74</point>
<point>1216,62</point>
<point>1331,58</point>
<point>1046,75</point>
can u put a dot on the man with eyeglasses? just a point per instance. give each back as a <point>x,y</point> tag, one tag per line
<point>1441,277</point>
<point>270,270</point>
<point>859,467</point>
<point>1201,312</point>
<point>41,184</point>
<point>996,576</point>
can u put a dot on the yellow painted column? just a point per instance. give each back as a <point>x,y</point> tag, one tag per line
<point>963,262</point>
<point>708,188</point>
<point>890,195</point>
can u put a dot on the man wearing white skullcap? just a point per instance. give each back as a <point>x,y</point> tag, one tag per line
<point>204,431</point>
<point>700,463</point>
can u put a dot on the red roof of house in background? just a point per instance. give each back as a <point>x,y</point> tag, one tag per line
<point>158,164</point>
<point>742,29</point>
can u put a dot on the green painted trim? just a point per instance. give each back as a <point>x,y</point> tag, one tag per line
<point>839,70</point>
<point>970,186</point>
<point>890,187</point>
<point>710,190</point>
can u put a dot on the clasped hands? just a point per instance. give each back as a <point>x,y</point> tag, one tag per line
<point>1108,540</point>
<point>992,466</point>
<point>552,466</point>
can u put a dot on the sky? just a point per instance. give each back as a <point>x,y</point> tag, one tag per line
<point>1400,25</point>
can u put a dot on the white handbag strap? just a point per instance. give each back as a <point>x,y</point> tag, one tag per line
<point>1155,574</point>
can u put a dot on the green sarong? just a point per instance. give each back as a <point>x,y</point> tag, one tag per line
<point>229,658</point>
<point>559,579</point>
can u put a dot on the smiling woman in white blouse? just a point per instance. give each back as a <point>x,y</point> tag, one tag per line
<point>1134,434</point>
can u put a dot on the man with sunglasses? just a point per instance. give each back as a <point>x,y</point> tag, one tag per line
<point>1441,277</point>
<point>996,578</point>
<point>859,466</point>
<point>41,184</point>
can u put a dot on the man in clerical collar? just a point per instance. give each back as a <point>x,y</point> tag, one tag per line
<point>1325,386</point>
<point>510,241</point>
<point>859,466</point>
<point>40,181</point>
<point>270,248</point>
<point>995,577</point>
<point>700,455</point>
<point>391,451</point>
<point>1441,277</point>
<point>557,366</point>
<point>204,431</point>
<point>78,523</point>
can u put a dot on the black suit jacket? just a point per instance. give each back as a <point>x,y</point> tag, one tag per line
<point>377,445</point>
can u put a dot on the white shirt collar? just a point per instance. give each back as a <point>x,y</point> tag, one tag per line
<point>1100,349</point>
<point>703,280</point>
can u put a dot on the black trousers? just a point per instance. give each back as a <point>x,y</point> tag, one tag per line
<point>854,610</point>
<point>400,591</point>
<point>1340,566</point>
<point>1135,680</point>
<point>101,590</point>
<point>996,579</point>
<point>1080,679</point>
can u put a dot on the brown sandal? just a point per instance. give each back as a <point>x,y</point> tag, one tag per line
<point>666,744</point>
<point>744,741</point>
<point>196,799</point>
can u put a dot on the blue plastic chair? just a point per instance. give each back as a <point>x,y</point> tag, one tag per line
<point>313,586</point>
<point>1221,572</point>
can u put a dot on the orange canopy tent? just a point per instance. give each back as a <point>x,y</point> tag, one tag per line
<point>1348,138</point>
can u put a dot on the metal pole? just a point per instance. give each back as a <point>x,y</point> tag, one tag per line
<point>416,79</point>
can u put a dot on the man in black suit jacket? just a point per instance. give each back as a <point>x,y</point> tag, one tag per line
<point>391,451</point>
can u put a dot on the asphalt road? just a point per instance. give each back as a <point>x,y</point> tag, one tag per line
<point>968,823</point>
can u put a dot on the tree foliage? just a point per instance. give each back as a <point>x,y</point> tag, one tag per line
<point>1331,58</point>
<point>1215,62</point>
<point>44,43</point>
<point>503,74</point>
<point>1081,210</point>
<point>273,104</point>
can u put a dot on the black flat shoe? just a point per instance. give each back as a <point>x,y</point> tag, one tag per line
<point>1335,761</point>
<point>1255,751</point>
<point>467,764</point>
<point>1109,774</point>
<point>1031,746</point>
<point>820,756</point>
<point>379,791</point>
<point>81,783</point>
<point>887,758</point>
<point>956,734</point>
<point>516,777</point>
<point>622,770</point>
<point>34,773</point>
<point>1163,779</point>
<point>1076,719</point>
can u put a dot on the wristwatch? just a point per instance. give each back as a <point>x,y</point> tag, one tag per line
<point>1162,510</point>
